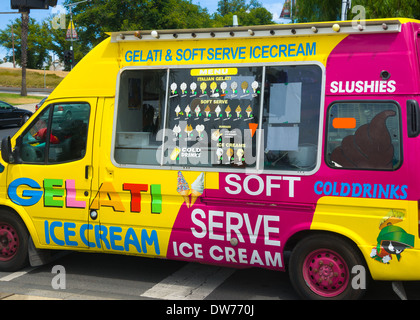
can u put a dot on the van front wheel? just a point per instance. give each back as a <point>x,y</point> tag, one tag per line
<point>13,242</point>
<point>320,268</point>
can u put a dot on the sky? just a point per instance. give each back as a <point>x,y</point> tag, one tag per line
<point>274,6</point>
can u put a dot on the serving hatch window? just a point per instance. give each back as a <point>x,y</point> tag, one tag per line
<point>263,117</point>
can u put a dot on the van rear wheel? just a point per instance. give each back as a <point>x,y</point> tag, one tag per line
<point>13,242</point>
<point>321,268</point>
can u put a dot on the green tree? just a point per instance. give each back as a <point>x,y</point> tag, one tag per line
<point>93,19</point>
<point>330,10</point>
<point>248,14</point>
<point>376,9</point>
<point>315,10</point>
<point>39,41</point>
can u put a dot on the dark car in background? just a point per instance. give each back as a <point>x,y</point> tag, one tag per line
<point>12,115</point>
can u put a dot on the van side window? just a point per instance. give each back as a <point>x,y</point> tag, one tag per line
<point>292,103</point>
<point>364,135</point>
<point>220,118</point>
<point>140,109</point>
<point>58,135</point>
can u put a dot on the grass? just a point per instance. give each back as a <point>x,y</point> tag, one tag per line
<point>10,77</point>
<point>17,99</point>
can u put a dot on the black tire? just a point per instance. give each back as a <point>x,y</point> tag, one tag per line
<point>321,267</point>
<point>13,242</point>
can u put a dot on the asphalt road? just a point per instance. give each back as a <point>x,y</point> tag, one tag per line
<point>84,276</point>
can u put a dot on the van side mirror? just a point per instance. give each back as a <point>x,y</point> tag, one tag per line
<point>6,150</point>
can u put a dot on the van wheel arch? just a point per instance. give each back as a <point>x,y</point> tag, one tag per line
<point>304,243</point>
<point>14,239</point>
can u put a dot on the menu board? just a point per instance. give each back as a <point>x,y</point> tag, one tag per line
<point>213,115</point>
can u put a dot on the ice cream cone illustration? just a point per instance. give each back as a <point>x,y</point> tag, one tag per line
<point>213,87</point>
<point>187,110</point>
<point>244,86</point>
<point>217,110</point>
<point>207,111</point>
<point>183,87</point>
<point>223,86</point>
<point>248,111</point>
<point>240,154</point>
<point>183,188</point>
<point>199,128</point>
<point>197,188</point>
<point>228,110</point>
<point>176,130</point>
<point>219,154</point>
<point>203,87</point>
<point>177,110</point>
<point>173,87</point>
<point>197,110</point>
<point>238,111</point>
<point>229,153</point>
<point>234,86</point>
<point>254,86</point>
<point>193,87</point>
<point>175,153</point>
<point>188,129</point>
<point>215,135</point>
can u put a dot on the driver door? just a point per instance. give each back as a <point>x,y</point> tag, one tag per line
<point>52,177</point>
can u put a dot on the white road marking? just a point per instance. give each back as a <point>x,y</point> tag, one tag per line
<point>15,275</point>
<point>192,282</point>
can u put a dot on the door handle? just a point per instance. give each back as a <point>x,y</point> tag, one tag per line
<point>87,170</point>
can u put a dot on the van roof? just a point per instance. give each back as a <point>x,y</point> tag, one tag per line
<point>95,75</point>
<point>311,28</point>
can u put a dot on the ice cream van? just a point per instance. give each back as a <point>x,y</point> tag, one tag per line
<point>230,146</point>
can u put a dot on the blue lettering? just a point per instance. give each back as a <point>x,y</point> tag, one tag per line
<point>136,56</point>
<point>114,237</point>
<point>335,193</point>
<point>108,237</point>
<point>46,231</point>
<point>404,192</point>
<point>210,54</point>
<point>100,234</point>
<point>318,185</point>
<point>383,192</point>
<point>282,50</point>
<point>83,229</point>
<point>31,196</point>
<point>292,50</point>
<point>242,51</point>
<point>265,52</point>
<point>218,54</point>
<point>358,187</point>
<point>129,56</point>
<point>366,190</point>
<point>69,233</point>
<point>179,55</point>
<point>327,188</point>
<point>345,189</point>
<point>273,55</point>
<point>54,225</point>
<point>300,50</point>
<point>311,50</point>
<point>153,239</point>
<point>131,239</point>
<point>150,56</point>
<point>394,190</point>
<point>255,49</point>
<point>226,52</point>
